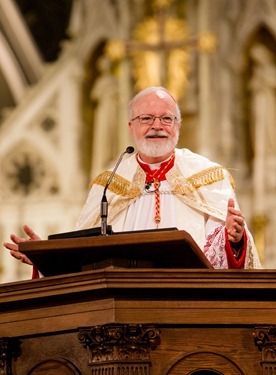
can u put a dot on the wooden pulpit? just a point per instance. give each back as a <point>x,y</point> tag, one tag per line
<point>151,249</point>
<point>136,304</point>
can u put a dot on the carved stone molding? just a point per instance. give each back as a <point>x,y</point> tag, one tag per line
<point>265,339</point>
<point>9,349</point>
<point>120,348</point>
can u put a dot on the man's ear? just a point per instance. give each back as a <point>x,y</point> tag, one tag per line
<point>130,127</point>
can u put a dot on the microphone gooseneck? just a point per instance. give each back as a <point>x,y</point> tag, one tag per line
<point>104,203</point>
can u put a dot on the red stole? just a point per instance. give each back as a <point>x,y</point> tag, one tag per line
<point>153,175</point>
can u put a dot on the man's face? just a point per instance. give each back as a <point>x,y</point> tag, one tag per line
<point>155,142</point>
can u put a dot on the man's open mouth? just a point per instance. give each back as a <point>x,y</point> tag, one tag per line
<point>156,136</point>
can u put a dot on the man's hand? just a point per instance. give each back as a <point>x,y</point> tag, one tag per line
<point>13,247</point>
<point>234,222</point>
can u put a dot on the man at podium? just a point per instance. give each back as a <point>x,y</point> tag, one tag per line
<point>162,186</point>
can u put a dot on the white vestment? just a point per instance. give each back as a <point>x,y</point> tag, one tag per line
<point>193,198</point>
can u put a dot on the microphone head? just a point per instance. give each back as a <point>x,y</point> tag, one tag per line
<point>129,150</point>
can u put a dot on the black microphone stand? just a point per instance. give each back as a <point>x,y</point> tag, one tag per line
<point>104,203</point>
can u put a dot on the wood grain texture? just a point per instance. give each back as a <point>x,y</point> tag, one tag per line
<point>206,317</point>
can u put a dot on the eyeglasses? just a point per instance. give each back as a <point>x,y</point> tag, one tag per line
<point>165,120</point>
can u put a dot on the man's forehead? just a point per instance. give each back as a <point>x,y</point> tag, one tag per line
<point>161,94</point>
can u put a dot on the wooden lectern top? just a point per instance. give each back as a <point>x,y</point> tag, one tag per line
<point>154,249</point>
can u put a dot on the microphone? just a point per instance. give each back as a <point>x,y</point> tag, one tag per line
<point>104,203</point>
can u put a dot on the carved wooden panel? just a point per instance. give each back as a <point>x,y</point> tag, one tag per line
<point>205,363</point>
<point>206,320</point>
<point>58,366</point>
<point>9,350</point>
<point>120,348</point>
<point>265,339</point>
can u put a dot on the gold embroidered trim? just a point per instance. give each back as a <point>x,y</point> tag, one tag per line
<point>128,192</point>
<point>232,181</point>
<point>205,177</point>
<point>119,185</point>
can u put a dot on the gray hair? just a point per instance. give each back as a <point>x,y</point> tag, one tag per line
<point>148,90</point>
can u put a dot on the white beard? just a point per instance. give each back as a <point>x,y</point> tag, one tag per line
<point>158,148</point>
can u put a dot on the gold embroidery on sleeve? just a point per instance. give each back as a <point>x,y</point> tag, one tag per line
<point>119,185</point>
<point>205,177</point>
<point>184,186</point>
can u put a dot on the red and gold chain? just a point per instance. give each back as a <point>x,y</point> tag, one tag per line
<point>155,177</point>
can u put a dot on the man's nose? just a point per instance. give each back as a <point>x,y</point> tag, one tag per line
<point>157,123</point>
